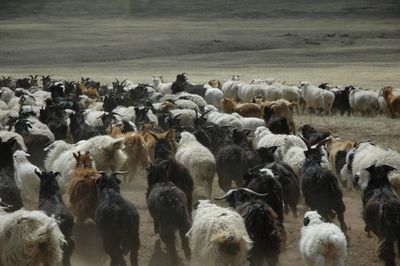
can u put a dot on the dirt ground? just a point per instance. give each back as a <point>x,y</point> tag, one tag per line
<point>342,42</point>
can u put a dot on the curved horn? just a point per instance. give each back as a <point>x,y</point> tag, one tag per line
<point>37,172</point>
<point>305,141</point>
<point>253,192</point>
<point>206,112</point>
<point>322,142</point>
<point>227,194</point>
<point>119,172</point>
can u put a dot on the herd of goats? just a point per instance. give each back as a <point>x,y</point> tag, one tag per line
<point>67,147</point>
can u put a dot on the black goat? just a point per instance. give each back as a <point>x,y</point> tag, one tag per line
<point>285,175</point>
<point>82,131</point>
<point>55,118</point>
<point>263,181</point>
<point>181,84</point>
<point>382,211</point>
<point>175,172</point>
<point>231,159</point>
<point>262,225</point>
<point>341,102</point>
<point>312,135</point>
<point>241,138</point>
<point>51,202</point>
<point>320,187</point>
<point>277,125</point>
<point>10,195</point>
<point>168,207</point>
<point>117,221</point>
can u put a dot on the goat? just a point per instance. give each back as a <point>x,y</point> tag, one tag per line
<point>117,220</point>
<point>322,243</point>
<point>218,236</point>
<point>392,101</point>
<point>169,208</point>
<point>82,189</point>
<point>262,224</point>
<point>229,106</point>
<point>277,125</point>
<point>50,201</point>
<point>320,187</point>
<point>9,191</point>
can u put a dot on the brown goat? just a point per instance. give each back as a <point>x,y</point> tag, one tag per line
<point>244,109</point>
<point>392,101</point>
<point>334,147</point>
<point>89,91</point>
<point>82,190</point>
<point>215,83</point>
<point>137,152</point>
<point>168,105</point>
<point>149,139</point>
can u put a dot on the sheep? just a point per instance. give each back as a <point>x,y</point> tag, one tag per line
<point>392,101</point>
<point>262,225</point>
<point>82,190</point>
<point>168,207</point>
<point>322,243</point>
<point>24,171</point>
<point>214,116</point>
<point>137,154</point>
<point>213,95</point>
<point>51,203</point>
<point>320,187</point>
<point>9,184</point>
<point>198,159</point>
<point>230,87</point>
<point>218,236</point>
<point>317,98</point>
<point>365,154</point>
<point>250,122</point>
<point>381,211</point>
<point>363,101</point>
<point>105,150</point>
<point>246,92</point>
<point>245,109</point>
<point>159,85</point>
<point>117,220</point>
<point>6,135</point>
<point>29,238</point>
<point>186,104</point>
<point>8,96</point>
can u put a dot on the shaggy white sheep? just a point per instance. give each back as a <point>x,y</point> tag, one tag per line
<point>198,160</point>
<point>213,95</point>
<point>251,123</point>
<point>186,116</point>
<point>186,104</point>
<point>8,96</point>
<point>230,87</point>
<point>222,119</point>
<point>246,92</point>
<point>30,182</point>
<point>317,98</point>
<point>322,243</point>
<point>29,238</point>
<point>366,154</point>
<point>364,102</point>
<point>214,231</point>
<point>5,135</point>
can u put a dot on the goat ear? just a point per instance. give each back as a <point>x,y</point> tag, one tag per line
<point>388,168</point>
<point>76,156</point>
<point>272,149</point>
<point>371,168</point>
<point>154,135</point>
<point>306,221</point>
<point>118,144</point>
<point>12,142</point>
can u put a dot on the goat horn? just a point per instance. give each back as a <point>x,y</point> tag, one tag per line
<point>253,192</point>
<point>206,112</point>
<point>305,141</point>
<point>322,142</point>
<point>227,194</point>
<point>119,172</point>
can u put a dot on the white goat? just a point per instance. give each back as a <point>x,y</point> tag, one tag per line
<point>160,86</point>
<point>215,230</point>
<point>364,102</point>
<point>198,160</point>
<point>30,182</point>
<point>317,98</point>
<point>322,243</point>
<point>29,238</point>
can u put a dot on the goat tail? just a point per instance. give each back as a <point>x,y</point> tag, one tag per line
<point>231,245</point>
